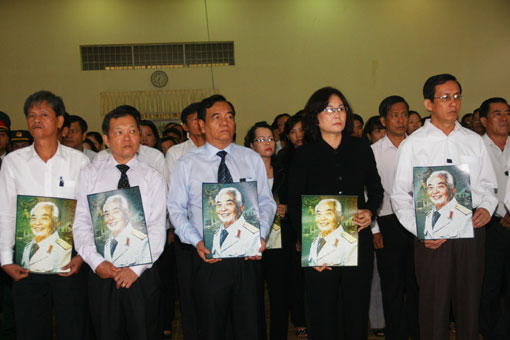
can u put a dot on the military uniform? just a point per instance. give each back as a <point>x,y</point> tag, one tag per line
<point>243,240</point>
<point>132,248</point>
<point>51,255</point>
<point>340,249</point>
<point>454,222</point>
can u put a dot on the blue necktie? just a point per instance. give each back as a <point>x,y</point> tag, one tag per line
<point>223,236</point>
<point>123,181</point>
<point>435,217</point>
<point>224,175</point>
<point>321,244</point>
<point>113,245</point>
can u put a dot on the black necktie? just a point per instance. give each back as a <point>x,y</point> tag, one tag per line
<point>224,175</point>
<point>322,242</point>
<point>33,250</point>
<point>113,245</point>
<point>0,163</point>
<point>435,217</point>
<point>223,236</point>
<point>123,181</point>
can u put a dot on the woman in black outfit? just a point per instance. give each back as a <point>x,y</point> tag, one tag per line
<point>331,162</point>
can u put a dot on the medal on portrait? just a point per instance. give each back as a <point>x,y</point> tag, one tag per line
<point>442,202</point>
<point>329,235</point>
<point>44,239</point>
<point>120,229</point>
<point>231,219</point>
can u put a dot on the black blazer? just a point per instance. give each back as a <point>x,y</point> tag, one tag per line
<point>318,169</point>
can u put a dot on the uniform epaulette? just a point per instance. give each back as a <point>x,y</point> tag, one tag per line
<point>463,209</point>
<point>348,237</point>
<point>63,244</point>
<point>138,234</point>
<point>250,228</point>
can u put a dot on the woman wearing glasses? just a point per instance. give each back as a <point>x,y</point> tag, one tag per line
<point>331,162</point>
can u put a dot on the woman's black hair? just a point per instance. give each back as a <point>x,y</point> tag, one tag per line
<point>373,123</point>
<point>154,129</point>
<point>250,136</point>
<point>315,105</point>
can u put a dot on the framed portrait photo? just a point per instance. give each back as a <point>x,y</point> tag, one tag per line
<point>120,229</point>
<point>44,238</point>
<point>329,235</point>
<point>274,239</point>
<point>442,202</point>
<point>230,216</point>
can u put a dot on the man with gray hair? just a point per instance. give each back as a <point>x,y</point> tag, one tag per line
<point>126,245</point>
<point>47,252</point>
<point>333,246</point>
<point>448,219</point>
<point>235,237</point>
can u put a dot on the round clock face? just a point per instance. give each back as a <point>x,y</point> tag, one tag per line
<point>159,78</point>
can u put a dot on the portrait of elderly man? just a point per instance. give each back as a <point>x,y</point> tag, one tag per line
<point>333,246</point>
<point>47,252</point>
<point>126,245</point>
<point>236,237</point>
<point>448,219</point>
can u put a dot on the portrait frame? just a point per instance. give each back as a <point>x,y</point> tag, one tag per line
<point>455,218</point>
<point>246,241</point>
<point>48,257</point>
<point>343,245</point>
<point>274,238</point>
<point>133,247</point>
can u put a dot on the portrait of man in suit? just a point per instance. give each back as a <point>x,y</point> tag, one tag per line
<point>448,219</point>
<point>47,252</point>
<point>332,246</point>
<point>235,237</point>
<point>126,245</point>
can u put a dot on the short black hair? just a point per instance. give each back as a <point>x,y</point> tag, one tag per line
<point>250,135</point>
<point>388,102</point>
<point>189,110</point>
<point>274,125</point>
<point>429,89</point>
<point>209,102</point>
<point>83,124</point>
<point>486,105</point>
<point>118,112</point>
<point>411,112</point>
<point>53,101</point>
<point>357,117</point>
<point>175,130</point>
<point>315,105</point>
<point>95,135</point>
<point>373,123</point>
<point>90,144</point>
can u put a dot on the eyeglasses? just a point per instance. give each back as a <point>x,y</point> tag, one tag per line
<point>339,109</point>
<point>446,98</point>
<point>263,139</point>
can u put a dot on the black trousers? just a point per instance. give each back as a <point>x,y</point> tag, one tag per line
<point>297,290</point>
<point>126,313</point>
<point>39,295</point>
<point>276,266</point>
<point>343,288</point>
<point>450,276</point>
<point>399,288</point>
<point>184,254</point>
<point>495,320</point>
<point>167,274</point>
<point>231,289</point>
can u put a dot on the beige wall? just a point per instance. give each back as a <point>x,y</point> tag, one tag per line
<point>284,49</point>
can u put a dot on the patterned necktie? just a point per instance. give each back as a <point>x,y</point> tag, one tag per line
<point>123,181</point>
<point>113,245</point>
<point>223,236</point>
<point>435,217</point>
<point>224,175</point>
<point>33,250</point>
<point>322,242</point>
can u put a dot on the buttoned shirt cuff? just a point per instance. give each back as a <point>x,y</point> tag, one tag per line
<point>194,238</point>
<point>375,227</point>
<point>264,230</point>
<point>139,269</point>
<point>94,260</point>
<point>487,206</point>
<point>6,257</point>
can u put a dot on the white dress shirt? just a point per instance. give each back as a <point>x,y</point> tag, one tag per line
<point>103,176</point>
<point>500,164</point>
<point>176,152</point>
<point>90,154</point>
<point>150,156</point>
<point>201,166</point>
<point>25,173</point>
<point>429,146</point>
